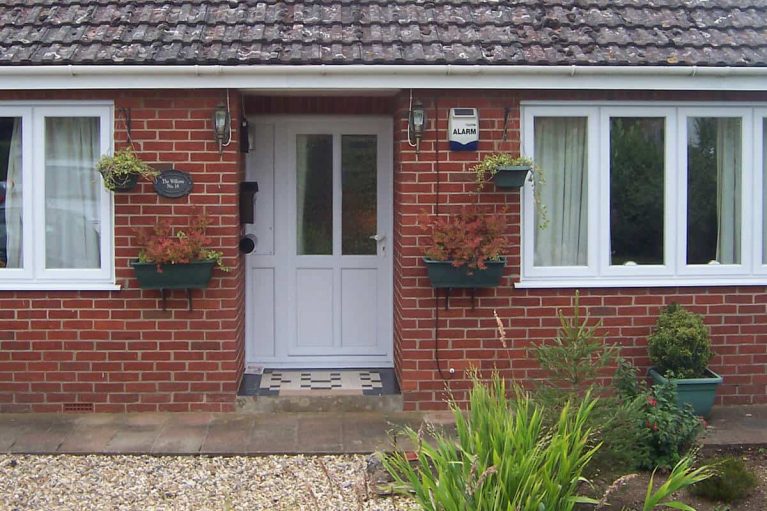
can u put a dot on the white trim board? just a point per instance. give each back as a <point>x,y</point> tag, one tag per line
<point>383,77</point>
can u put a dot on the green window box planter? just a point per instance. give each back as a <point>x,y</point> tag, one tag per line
<point>444,275</point>
<point>508,176</point>
<point>699,392</point>
<point>194,275</point>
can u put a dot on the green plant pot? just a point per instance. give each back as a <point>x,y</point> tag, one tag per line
<point>443,274</point>
<point>195,275</point>
<point>699,392</point>
<point>511,176</point>
<point>126,184</point>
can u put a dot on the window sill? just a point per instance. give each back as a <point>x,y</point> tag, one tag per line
<point>644,282</point>
<point>59,286</point>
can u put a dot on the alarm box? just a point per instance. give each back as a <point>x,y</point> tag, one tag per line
<point>463,129</point>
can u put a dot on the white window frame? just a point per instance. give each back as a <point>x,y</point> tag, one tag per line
<point>675,271</point>
<point>758,193</point>
<point>34,275</point>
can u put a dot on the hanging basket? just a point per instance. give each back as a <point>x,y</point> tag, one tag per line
<point>126,183</point>
<point>444,275</point>
<point>194,275</point>
<point>510,176</point>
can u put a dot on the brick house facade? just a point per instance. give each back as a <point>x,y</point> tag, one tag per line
<point>113,349</point>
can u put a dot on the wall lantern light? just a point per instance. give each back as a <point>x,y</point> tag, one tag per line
<point>416,124</point>
<point>222,126</point>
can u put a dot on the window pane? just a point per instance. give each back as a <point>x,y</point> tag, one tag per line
<point>10,193</point>
<point>359,194</point>
<point>561,150</point>
<point>72,193</point>
<point>764,191</point>
<point>314,193</point>
<point>714,153</point>
<point>636,190</point>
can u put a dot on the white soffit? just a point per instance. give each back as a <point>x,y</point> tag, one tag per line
<point>380,77</point>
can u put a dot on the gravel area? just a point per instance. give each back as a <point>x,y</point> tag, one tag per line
<point>316,483</point>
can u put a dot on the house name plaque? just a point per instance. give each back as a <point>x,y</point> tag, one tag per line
<point>173,184</point>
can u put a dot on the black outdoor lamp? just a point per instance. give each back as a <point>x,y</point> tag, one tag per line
<point>222,126</point>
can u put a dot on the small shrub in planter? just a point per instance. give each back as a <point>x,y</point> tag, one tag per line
<point>176,257</point>
<point>464,246</point>
<point>732,481</point>
<point>680,350</point>
<point>121,170</point>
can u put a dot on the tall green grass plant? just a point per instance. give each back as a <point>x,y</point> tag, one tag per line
<point>504,457</point>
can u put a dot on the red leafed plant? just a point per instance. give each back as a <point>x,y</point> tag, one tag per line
<point>469,238</point>
<point>161,244</point>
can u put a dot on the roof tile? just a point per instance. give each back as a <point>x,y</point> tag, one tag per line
<point>537,32</point>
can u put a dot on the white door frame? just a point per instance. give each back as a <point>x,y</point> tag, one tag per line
<point>273,165</point>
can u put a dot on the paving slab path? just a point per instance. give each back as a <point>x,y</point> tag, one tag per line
<point>280,433</point>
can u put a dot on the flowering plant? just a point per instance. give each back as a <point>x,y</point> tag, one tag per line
<point>162,245</point>
<point>470,238</point>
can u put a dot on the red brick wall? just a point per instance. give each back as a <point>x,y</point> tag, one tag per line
<point>439,180</point>
<point>118,351</point>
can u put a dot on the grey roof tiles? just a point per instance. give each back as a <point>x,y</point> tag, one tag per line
<point>515,32</point>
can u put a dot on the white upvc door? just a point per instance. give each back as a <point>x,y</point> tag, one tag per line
<point>319,289</point>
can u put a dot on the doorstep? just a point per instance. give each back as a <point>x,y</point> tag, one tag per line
<point>320,390</point>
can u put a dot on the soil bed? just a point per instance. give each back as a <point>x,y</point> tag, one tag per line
<point>629,494</point>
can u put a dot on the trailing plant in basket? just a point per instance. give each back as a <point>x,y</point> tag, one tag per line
<point>118,168</point>
<point>488,167</point>
<point>470,238</point>
<point>162,244</point>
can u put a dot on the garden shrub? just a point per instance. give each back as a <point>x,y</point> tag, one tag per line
<point>732,481</point>
<point>504,458</point>
<point>671,429</point>
<point>680,345</point>
<point>573,361</point>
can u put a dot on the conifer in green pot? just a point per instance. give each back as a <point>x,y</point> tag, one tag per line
<point>680,350</point>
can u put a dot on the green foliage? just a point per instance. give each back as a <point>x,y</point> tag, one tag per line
<point>116,168</point>
<point>505,458</point>
<point>573,362</point>
<point>680,343</point>
<point>670,430</point>
<point>162,244</point>
<point>488,167</point>
<point>636,190</point>
<point>681,476</point>
<point>732,481</point>
<point>469,238</point>
<point>577,353</point>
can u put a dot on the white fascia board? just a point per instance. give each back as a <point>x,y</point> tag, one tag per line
<point>378,77</point>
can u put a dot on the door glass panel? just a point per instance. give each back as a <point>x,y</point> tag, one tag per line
<point>636,190</point>
<point>714,154</point>
<point>72,193</point>
<point>314,194</point>
<point>359,194</point>
<point>10,193</point>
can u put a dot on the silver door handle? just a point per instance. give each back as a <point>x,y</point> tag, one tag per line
<point>378,237</point>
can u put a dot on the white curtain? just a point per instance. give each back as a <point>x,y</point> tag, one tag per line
<point>13,202</point>
<point>72,191</point>
<point>561,150</point>
<point>728,193</point>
